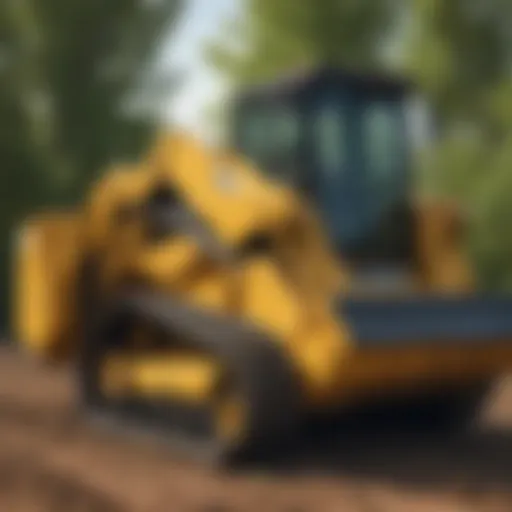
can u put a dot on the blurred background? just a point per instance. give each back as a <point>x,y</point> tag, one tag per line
<point>84,83</point>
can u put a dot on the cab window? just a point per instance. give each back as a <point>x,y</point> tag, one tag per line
<point>383,137</point>
<point>330,132</point>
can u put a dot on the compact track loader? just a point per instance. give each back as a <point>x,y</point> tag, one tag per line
<point>227,295</point>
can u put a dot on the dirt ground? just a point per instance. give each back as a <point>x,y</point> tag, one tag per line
<point>51,461</point>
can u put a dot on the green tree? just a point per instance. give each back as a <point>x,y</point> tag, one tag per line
<point>272,37</point>
<point>71,74</point>
<point>76,65</point>
<point>460,53</point>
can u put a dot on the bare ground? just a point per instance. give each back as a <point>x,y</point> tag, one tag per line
<point>51,461</point>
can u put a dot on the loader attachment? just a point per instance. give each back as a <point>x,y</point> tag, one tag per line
<point>435,321</point>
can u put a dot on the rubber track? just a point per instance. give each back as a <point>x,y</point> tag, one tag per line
<point>259,367</point>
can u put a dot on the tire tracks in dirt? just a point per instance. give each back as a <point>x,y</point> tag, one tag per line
<point>28,468</point>
<point>53,491</point>
<point>51,461</point>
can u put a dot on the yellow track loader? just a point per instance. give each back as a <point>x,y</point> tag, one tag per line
<point>228,294</point>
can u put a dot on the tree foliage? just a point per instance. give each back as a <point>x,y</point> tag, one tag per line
<point>461,55</point>
<point>460,52</point>
<point>73,65</point>
<point>68,71</point>
<point>272,37</point>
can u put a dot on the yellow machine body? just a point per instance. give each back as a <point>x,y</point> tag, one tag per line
<point>47,250</point>
<point>286,293</point>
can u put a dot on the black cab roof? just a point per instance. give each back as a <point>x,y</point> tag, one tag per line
<point>299,82</point>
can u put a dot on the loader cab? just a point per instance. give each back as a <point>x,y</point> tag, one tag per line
<point>341,139</point>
